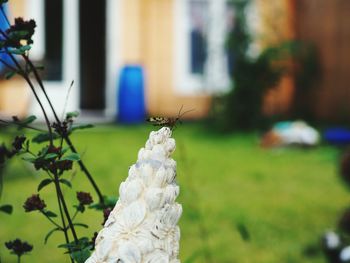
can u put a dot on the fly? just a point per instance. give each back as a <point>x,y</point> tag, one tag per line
<point>168,122</point>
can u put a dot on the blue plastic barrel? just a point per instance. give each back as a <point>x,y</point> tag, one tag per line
<point>131,99</point>
<point>337,135</point>
<point>3,26</point>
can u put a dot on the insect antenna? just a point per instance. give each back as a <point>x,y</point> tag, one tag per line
<point>179,114</point>
<point>182,114</point>
<point>174,121</point>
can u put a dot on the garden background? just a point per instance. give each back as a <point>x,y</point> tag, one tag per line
<point>237,67</point>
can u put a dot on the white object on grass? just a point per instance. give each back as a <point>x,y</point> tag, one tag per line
<point>332,240</point>
<point>296,132</point>
<point>142,227</point>
<point>345,254</point>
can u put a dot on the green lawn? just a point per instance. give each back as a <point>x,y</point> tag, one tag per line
<point>286,198</point>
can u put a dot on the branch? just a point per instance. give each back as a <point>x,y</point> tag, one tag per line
<point>53,222</point>
<point>64,206</point>
<point>66,137</point>
<point>8,123</point>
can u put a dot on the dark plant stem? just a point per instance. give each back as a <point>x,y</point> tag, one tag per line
<point>66,137</point>
<point>53,222</point>
<point>65,230</point>
<point>64,206</point>
<point>85,170</point>
<point>23,74</point>
<point>8,123</point>
<point>19,259</point>
<point>75,214</point>
<point>42,108</point>
<point>38,79</point>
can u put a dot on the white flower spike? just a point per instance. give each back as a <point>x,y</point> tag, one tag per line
<point>142,228</point>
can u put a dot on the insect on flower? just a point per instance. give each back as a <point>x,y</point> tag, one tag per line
<point>168,122</point>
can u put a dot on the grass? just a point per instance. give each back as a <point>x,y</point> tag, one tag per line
<point>285,198</point>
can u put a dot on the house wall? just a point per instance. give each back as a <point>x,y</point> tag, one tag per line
<point>326,23</point>
<point>277,26</point>
<point>15,97</point>
<point>148,38</point>
<point>17,8</point>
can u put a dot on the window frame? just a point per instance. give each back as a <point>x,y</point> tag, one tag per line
<point>58,89</point>
<point>214,80</point>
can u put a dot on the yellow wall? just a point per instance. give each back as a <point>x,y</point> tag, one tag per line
<point>276,21</point>
<point>277,26</point>
<point>131,31</point>
<point>14,98</point>
<point>14,95</point>
<point>148,38</point>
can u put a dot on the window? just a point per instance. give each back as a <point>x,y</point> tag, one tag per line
<point>198,35</point>
<point>201,62</point>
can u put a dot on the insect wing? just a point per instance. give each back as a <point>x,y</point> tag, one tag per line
<point>158,121</point>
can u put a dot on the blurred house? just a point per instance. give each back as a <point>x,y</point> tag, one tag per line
<point>179,43</point>
<point>326,24</point>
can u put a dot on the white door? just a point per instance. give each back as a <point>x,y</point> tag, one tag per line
<point>60,51</point>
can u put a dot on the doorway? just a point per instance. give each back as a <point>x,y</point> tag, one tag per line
<point>92,47</point>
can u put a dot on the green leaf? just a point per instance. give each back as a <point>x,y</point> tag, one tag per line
<point>68,245</point>
<point>16,51</point>
<point>25,48</point>
<point>81,127</point>
<point>64,150</point>
<point>50,214</point>
<point>72,114</point>
<point>3,1</point>
<point>109,201</point>
<point>82,243</point>
<point>96,206</point>
<point>66,182</point>
<point>81,255</point>
<point>44,137</point>
<point>71,157</point>
<point>50,233</point>
<point>43,151</point>
<point>6,209</point>
<point>50,156</point>
<point>29,159</point>
<point>44,183</point>
<point>19,33</point>
<point>81,224</point>
<point>10,74</point>
<point>28,120</point>
<point>80,208</point>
